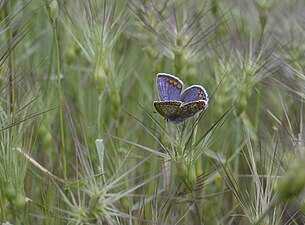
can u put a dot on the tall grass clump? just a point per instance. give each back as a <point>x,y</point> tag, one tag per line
<point>95,26</point>
<point>81,141</point>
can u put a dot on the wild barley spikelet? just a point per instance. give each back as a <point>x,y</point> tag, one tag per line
<point>100,79</point>
<point>292,183</point>
<point>9,191</point>
<point>52,8</point>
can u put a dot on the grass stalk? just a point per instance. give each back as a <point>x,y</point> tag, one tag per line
<point>99,113</point>
<point>3,215</point>
<point>100,92</point>
<point>11,61</point>
<point>61,121</point>
<point>257,108</point>
<point>198,163</point>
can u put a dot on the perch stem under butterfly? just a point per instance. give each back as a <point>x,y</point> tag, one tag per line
<point>198,162</point>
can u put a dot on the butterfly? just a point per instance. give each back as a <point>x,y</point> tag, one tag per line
<point>176,105</point>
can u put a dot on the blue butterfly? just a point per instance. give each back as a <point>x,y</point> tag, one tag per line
<point>177,105</point>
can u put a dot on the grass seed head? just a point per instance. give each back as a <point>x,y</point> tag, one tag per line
<point>292,183</point>
<point>52,8</point>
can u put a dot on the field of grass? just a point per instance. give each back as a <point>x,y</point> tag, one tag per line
<point>81,141</point>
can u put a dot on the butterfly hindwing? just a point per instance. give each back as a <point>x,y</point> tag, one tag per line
<point>167,109</point>
<point>188,110</point>
<point>193,93</point>
<point>169,87</point>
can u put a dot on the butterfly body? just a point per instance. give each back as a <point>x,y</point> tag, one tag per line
<point>176,105</point>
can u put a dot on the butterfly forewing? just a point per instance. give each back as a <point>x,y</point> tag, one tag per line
<point>193,93</point>
<point>169,87</point>
<point>167,109</point>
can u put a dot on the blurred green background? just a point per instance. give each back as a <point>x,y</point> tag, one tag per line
<point>81,142</point>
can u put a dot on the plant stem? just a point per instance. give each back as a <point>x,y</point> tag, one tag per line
<point>99,112</point>
<point>61,123</point>
<point>258,103</point>
<point>11,66</point>
<point>3,215</point>
<point>198,162</point>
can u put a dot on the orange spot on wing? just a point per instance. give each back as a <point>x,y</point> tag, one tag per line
<point>200,105</point>
<point>176,84</point>
<point>201,95</point>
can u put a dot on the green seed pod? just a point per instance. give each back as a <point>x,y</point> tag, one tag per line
<point>242,104</point>
<point>70,55</point>
<point>292,183</point>
<point>77,48</point>
<point>116,99</point>
<point>191,178</point>
<point>263,8</point>
<point>100,79</point>
<point>52,8</point>
<point>166,140</point>
<point>44,137</point>
<point>179,41</point>
<point>180,148</point>
<point>9,191</point>
<point>106,67</point>
<point>125,203</point>
<point>152,54</point>
<point>264,5</point>
<point>115,103</point>
<point>263,16</point>
<point>20,201</point>
<point>182,171</point>
<point>249,72</point>
<point>215,8</point>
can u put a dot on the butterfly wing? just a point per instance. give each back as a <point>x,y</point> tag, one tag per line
<point>188,110</point>
<point>194,93</point>
<point>169,87</point>
<point>176,106</point>
<point>167,109</point>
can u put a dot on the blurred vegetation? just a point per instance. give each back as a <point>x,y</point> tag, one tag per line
<point>80,140</point>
